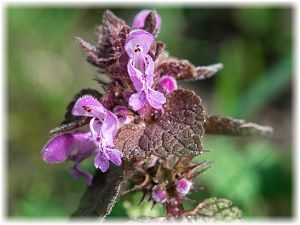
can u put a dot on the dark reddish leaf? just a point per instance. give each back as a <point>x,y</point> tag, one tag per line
<point>184,70</point>
<point>81,121</point>
<point>204,72</point>
<point>101,196</point>
<point>108,33</point>
<point>179,131</point>
<point>156,49</point>
<point>90,50</point>
<point>235,127</point>
<point>150,23</point>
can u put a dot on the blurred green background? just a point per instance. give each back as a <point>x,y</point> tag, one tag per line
<point>45,68</point>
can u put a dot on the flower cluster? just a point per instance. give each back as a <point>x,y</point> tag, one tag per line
<point>79,145</point>
<point>104,124</point>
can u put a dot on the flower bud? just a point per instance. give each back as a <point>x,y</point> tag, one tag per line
<point>139,20</point>
<point>183,186</point>
<point>159,194</point>
<point>167,84</point>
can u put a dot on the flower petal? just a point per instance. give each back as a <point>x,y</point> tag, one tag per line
<point>149,72</point>
<point>155,98</point>
<point>101,162</point>
<point>137,100</point>
<point>85,145</point>
<point>95,128</point>
<point>88,106</point>
<point>140,38</point>
<point>114,155</point>
<point>78,174</point>
<point>109,127</point>
<point>139,19</point>
<point>136,76</point>
<point>58,148</point>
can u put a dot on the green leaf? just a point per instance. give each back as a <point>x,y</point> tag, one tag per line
<point>213,209</point>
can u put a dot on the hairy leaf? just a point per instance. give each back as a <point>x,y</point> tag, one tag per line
<point>101,196</point>
<point>184,70</point>
<point>178,131</point>
<point>213,209</point>
<point>156,49</point>
<point>108,33</point>
<point>235,127</point>
<point>90,50</point>
<point>150,23</point>
<point>81,121</point>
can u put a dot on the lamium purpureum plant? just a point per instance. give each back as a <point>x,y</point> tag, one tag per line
<point>143,124</point>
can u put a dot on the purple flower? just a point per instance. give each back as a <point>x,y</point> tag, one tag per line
<point>89,106</point>
<point>141,71</point>
<point>75,146</point>
<point>183,186</point>
<point>167,84</point>
<point>137,46</point>
<point>159,194</point>
<point>139,19</point>
<point>103,135</point>
<point>103,126</point>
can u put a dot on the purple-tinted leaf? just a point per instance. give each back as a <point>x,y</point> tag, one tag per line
<point>156,49</point>
<point>90,50</point>
<point>204,72</point>
<point>128,140</point>
<point>108,34</point>
<point>184,70</point>
<point>101,196</point>
<point>179,131</point>
<point>70,126</point>
<point>214,209</point>
<point>152,23</point>
<point>148,20</point>
<point>234,127</point>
